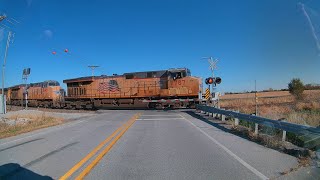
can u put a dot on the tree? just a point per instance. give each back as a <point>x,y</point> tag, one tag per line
<point>296,88</point>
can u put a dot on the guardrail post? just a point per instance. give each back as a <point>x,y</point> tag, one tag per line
<point>284,133</point>
<point>223,117</point>
<point>219,116</point>
<point>236,121</point>
<point>318,157</point>
<point>256,129</point>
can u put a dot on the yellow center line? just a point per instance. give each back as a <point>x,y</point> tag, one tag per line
<point>95,150</point>
<point>87,170</point>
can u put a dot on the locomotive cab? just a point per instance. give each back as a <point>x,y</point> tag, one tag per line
<point>179,73</point>
<point>182,84</point>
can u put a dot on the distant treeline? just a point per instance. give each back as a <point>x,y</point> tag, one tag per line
<point>312,86</point>
<point>269,90</point>
<point>306,87</point>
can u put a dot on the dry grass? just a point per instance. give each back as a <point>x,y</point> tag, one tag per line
<point>259,94</point>
<point>279,106</point>
<point>31,123</point>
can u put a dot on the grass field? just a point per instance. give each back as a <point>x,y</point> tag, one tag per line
<point>278,105</point>
<point>18,124</point>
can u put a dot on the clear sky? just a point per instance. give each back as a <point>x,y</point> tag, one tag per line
<point>270,41</point>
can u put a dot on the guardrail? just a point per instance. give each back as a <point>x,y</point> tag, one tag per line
<point>308,133</point>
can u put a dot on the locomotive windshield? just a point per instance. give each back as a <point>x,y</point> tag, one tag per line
<point>179,73</point>
<point>53,83</point>
<point>188,72</point>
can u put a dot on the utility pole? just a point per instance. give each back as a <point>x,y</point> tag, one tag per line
<point>3,71</point>
<point>92,67</point>
<point>2,92</point>
<point>10,34</point>
<point>2,17</point>
<point>255,95</point>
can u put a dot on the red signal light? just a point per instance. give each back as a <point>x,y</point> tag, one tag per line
<point>209,80</point>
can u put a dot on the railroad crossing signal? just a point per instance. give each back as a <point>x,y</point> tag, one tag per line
<point>207,94</point>
<point>213,80</point>
<point>209,80</point>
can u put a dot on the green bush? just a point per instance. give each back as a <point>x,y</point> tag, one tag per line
<point>296,88</point>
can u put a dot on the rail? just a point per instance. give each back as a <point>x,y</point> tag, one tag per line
<point>309,133</point>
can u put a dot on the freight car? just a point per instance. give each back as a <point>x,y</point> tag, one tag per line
<point>151,89</point>
<point>42,94</point>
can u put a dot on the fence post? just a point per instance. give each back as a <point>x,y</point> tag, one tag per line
<point>256,129</point>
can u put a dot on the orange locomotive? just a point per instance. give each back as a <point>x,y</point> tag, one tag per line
<point>42,94</point>
<point>153,89</point>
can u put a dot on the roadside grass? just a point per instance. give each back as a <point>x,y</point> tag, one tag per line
<point>26,123</point>
<point>306,111</point>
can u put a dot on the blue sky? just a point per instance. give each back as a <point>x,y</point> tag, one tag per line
<point>269,41</point>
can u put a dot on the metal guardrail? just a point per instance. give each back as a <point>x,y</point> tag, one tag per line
<point>309,132</point>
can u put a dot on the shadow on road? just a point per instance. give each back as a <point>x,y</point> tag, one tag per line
<point>15,171</point>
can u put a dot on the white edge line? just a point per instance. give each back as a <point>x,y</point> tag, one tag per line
<point>44,132</point>
<point>160,119</point>
<point>252,169</point>
<point>159,115</point>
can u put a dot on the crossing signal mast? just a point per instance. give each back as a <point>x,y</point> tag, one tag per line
<point>212,80</point>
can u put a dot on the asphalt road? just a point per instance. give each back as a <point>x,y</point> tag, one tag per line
<point>139,145</point>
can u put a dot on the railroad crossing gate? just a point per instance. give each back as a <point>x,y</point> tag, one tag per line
<point>207,94</point>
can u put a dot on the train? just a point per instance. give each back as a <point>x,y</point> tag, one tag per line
<point>171,88</point>
<point>43,94</point>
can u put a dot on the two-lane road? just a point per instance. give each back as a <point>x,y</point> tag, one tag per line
<point>139,145</point>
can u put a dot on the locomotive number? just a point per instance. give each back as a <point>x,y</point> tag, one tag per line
<point>178,82</point>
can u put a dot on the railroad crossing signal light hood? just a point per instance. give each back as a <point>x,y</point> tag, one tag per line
<point>213,80</point>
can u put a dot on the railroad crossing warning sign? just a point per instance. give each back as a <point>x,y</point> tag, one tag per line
<point>207,94</point>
